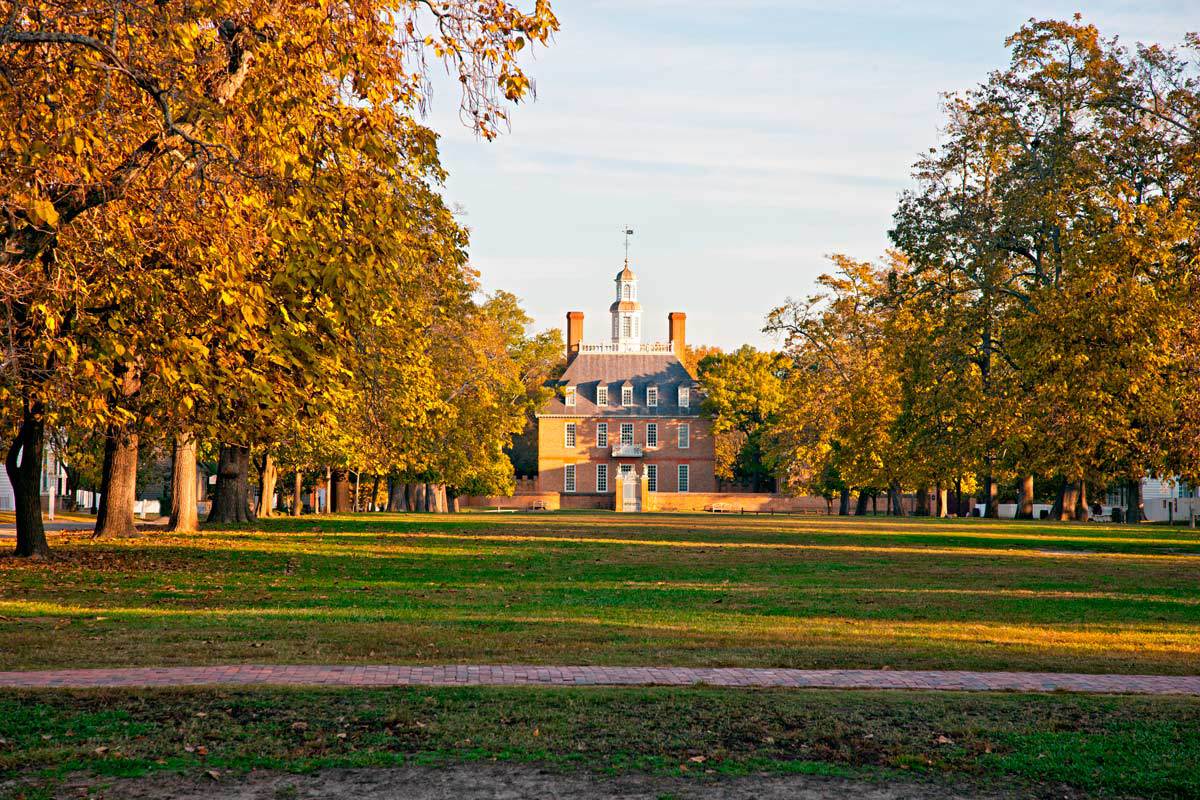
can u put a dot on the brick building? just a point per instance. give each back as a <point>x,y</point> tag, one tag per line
<point>626,424</point>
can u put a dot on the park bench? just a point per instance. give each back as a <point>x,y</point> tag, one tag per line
<point>537,505</point>
<point>718,508</point>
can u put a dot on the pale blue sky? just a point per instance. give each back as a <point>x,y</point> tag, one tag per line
<point>742,140</point>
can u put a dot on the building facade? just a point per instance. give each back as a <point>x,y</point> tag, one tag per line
<point>627,415</point>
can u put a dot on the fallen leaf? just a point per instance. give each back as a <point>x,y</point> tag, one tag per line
<point>212,773</point>
<point>101,750</point>
<point>299,726</point>
<point>942,739</point>
<point>697,759</point>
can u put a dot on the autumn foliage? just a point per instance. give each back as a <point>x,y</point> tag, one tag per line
<point>221,223</point>
<point>1038,316</point>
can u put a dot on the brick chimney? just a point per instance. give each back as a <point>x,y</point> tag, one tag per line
<point>574,332</point>
<point>676,325</point>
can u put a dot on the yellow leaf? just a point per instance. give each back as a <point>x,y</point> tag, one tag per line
<point>44,211</point>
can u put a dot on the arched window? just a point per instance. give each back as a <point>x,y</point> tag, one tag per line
<point>626,291</point>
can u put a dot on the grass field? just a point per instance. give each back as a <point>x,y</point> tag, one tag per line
<point>580,588</point>
<point>611,589</point>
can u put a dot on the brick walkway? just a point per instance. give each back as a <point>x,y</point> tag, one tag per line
<point>485,675</point>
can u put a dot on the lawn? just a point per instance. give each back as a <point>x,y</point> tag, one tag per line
<point>1050,746</point>
<point>602,588</point>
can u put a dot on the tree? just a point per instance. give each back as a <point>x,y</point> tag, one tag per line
<point>842,389</point>
<point>183,108</point>
<point>743,393</point>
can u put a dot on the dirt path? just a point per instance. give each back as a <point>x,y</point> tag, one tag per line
<point>488,781</point>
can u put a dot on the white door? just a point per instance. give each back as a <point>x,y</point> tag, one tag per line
<point>631,489</point>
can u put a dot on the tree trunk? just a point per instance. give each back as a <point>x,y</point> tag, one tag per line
<point>184,516</point>
<point>23,463</point>
<point>860,507</point>
<point>943,501</point>
<point>452,506</point>
<point>991,508</point>
<point>231,500</point>
<point>1025,508</point>
<point>896,500</point>
<point>922,509</point>
<point>268,476</point>
<point>340,495</point>
<point>297,494</point>
<point>844,503</point>
<point>118,485</point>
<point>357,496</point>
<point>1082,512</point>
<point>69,499</point>
<point>1137,504</point>
<point>395,495</point>
<point>372,502</point>
<point>1068,500</point>
<point>422,497</point>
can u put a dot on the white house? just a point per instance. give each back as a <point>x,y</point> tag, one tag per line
<point>54,484</point>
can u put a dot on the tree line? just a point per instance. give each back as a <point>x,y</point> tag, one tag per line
<point>223,237</point>
<point>1038,314</point>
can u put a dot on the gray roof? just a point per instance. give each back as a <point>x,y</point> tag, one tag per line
<point>587,371</point>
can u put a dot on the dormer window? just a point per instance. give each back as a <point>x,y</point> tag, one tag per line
<point>626,395</point>
<point>685,396</point>
<point>602,395</point>
<point>652,396</point>
<point>569,398</point>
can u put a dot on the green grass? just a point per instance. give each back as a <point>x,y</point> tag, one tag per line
<point>1050,745</point>
<point>601,588</point>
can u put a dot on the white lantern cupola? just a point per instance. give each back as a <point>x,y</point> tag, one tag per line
<point>626,312</point>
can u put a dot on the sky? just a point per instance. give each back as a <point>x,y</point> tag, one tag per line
<point>743,142</point>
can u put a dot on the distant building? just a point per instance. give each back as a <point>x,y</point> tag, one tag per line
<point>626,424</point>
<point>53,482</point>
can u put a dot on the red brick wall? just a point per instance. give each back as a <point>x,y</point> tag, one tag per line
<point>553,454</point>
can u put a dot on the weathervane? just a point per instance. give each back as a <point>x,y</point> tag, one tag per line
<point>628,233</point>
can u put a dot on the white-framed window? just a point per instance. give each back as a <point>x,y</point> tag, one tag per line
<point>652,396</point>
<point>569,478</point>
<point>602,478</point>
<point>652,477</point>
<point>684,478</point>
<point>626,291</point>
<point>651,434</point>
<point>626,327</point>
<point>626,395</point>
<point>569,435</point>
<point>685,436</point>
<point>602,434</point>
<point>626,433</point>
<point>569,397</point>
<point>636,326</point>
<point>616,326</point>
<point>685,396</point>
<point>601,395</point>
